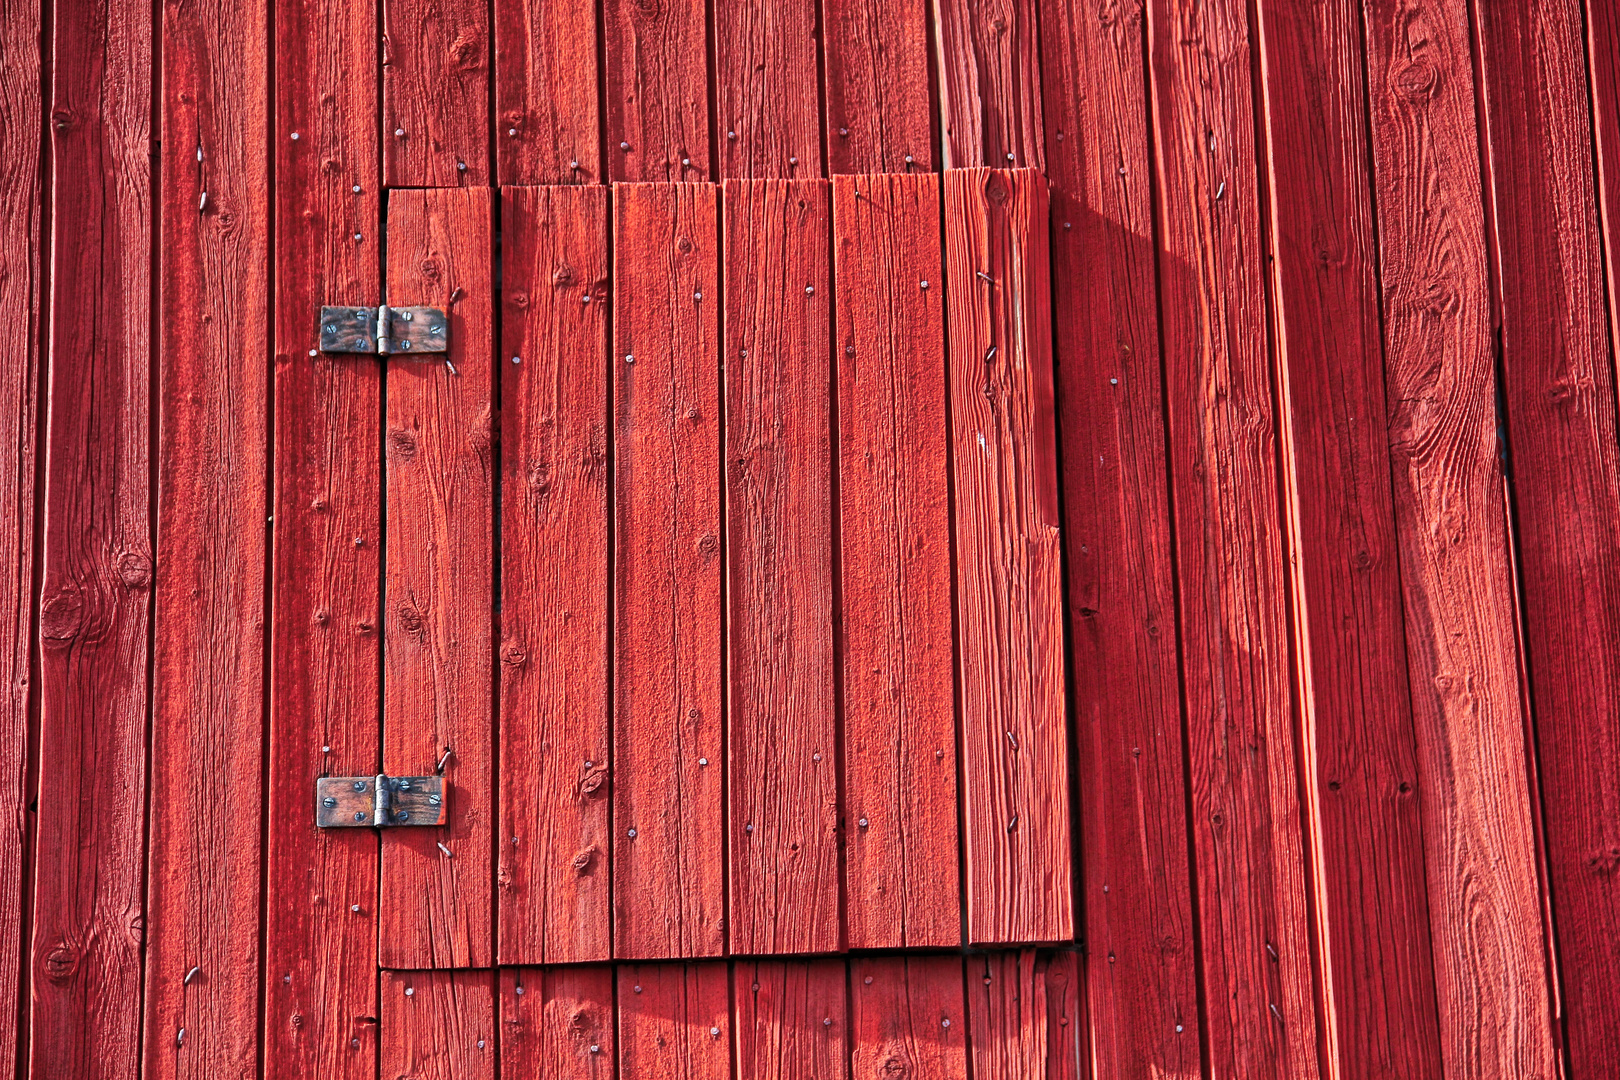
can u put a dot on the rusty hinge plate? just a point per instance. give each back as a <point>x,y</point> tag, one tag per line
<point>384,331</point>
<point>382,801</point>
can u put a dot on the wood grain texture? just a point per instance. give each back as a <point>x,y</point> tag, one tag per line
<point>439,580</point>
<point>1247,828</point>
<point>435,93</point>
<point>902,868</point>
<point>547,113</point>
<point>1484,906</point>
<point>96,547</point>
<point>1015,775</point>
<point>668,740</point>
<point>208,714</point>
<point>1008,1015</point>
<point>989,65</point>
<point>782,759</point>
<point>1137,885</point>
<point>767,90</point>
<point>877,100</point>
<point>320,955</point>
<point>791,1020</point>
<point>1068,1042</point>
<point>907,1018</point>
<point>438,1025</point>
<point>1558,386</point>
<point>554,893</point>
<point>675,1020</point>
<point>557,1023</point>
<point>1603,60</point>
<point>657,90</point>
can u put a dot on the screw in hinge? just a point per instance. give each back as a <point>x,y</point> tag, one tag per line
<point>435,800</point>
<point>403,815</point>
<point>359,785</point>
<point>329,802</point>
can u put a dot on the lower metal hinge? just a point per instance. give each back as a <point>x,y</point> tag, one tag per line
<point>380,801</point>
<point>383,330</point>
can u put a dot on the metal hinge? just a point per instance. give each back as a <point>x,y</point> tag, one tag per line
<point>384,330</point>
<point>381,801</point>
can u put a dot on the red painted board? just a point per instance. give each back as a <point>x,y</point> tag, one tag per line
<point>1603,59</point>
<point>204,884</point>
<point>547,111</point>
<point>1015,768</point>
<point>438,586</point>
<point>438,1025</point>
<point>1068,1044</point>
<point>767,96</point>
<point>668,742</point>
<point>656,87</point>
<point>557,1022</point>
<point>791,1020</point>
<point>878,106</point>
<point>907,1018</point>
<point>988,54</point>
<point>675,1020</point>
<point>902,868</point>
<point>1007,1015</point>
<point>782,765</point>
<point>554,893</point>
<point>96,548</point>
<point>435,92</point>
<point>1135,874</point>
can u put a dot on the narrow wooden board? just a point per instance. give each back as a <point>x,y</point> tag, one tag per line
<point>558,1023</point>
<point>767,96</point>
<point>791,1020</point>
<point>782,758</point>
<point>320,955</point>
<point>547,112</point>
<point>668,738</point>
<point>902,868</point>
<point>675,1020</point>
<point>435,93</point>
<point>1068,1045</point>
<point>438,1025</point>
<point>878,106</point>
<point>1007,1014</point>
<point>907,1018</point>
<point>1603,58</point>
<point>1558,386</point>
<point>1015,767</point>
<point>437,692</point>
<point>1457,577</point>
<point>1136,881</point>
<point>204,886</point>
<point>96,548</point>
<point>657,90</point>
<point>988,57</point>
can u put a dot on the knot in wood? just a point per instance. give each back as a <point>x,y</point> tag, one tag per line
<point>61,963</point>
<point>591,784</point>
<point>135,569</point>
<point>61,615</point>
<point>513,654</point>
<point>402,443</point>
<point>410,620</point>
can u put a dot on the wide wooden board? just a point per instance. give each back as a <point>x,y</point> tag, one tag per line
<point>989,80</point>
<point>435,93</point>
<point>907,1018</point>
<point>766,91</point>
<point>438,1025</point>
<point>791,1020</point>
<point>878,107</point>
<point>547,110</point>
<point>656,90</point>
<point>558,1023</point>
<point>675,1020</point>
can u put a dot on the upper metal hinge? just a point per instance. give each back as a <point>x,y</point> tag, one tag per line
<point>381,801</point>
<point>384,331</point>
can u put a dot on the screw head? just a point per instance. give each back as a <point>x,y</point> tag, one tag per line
<point>480,1044</point>
<point>827,1022</point>
<point>512,132</point>
<point>405,344</point>
<point>434,800</point>
<point>925,285</point>
<point>945,1023</point>
<point>329,802</point>
<point>714,1031</point>
<point>359,785</point>
<point>355,908</point>
<point>629,358</point>
<point>355,189</point>
<point>435,329</point>
<point>809,290</point>
<point>399,133</point>
<point>637,988</point>
<point>329,328</point>
<point>749,827</point>
<point>410,991</point>
<point>403,815</point>
<point>703,761</point>
<point>595,1049</point>
<point>358,816</point>
<point>631,834</point>
<point>624,146</point>
<point>295,136</point>
<point>520,990</point>
<point>863,823</point>
<point>793,161</point>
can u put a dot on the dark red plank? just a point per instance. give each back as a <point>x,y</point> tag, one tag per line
<point>902,870</point>
<point>435,92</point>
<point>675,1021</point>
<point>782,764</point>
<point>554,892</point>
<point>1068,1046</point>
<point>1485,907</point>
<point>1015,775</point>
<point>438,1025</point>
<point>1008,1014</point>
<point>657,89</point>
<point>878,107</point>
<point>989,83</point>
<point>557,1023</point>
<point>668,743</point>
<point>1143,1002</point>
<point>767,95</point>
<point>435,911</point>
<point>1558,384</point>
<point>208,713</point>
<point>791,1020</point>
<point>547,114</point>
<point>85,960</point>
<point>907,1018</point>
<point>1603,56</point>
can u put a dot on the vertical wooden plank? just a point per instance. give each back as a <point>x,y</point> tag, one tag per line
<point>438,1025</point>
<point>901,860</point>
<point>675,1021</point>
<point>782,760</point>
<point>668,742</point>
<point>1485,908</point>
<point>1015,778</point>
<point>989,64</point>
<point>1559,389</point>
<point>97,551</point>
<point>554,893</point>
<point>791,1020</point>
<point>557,1023</point>
<point>657,89</point>
<point>878,106</point>
<point>1143,1002</point>
<point>1007,1011</point>
<point>767,89</point>
<point>435,93</point>
<point>1603,58</point>
<point>907,1017</point>
<point>1253,901</point>
<point>208,722</point>
<point>1068,1046</point>
<point>547,113</point>
<point>437,693</point>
